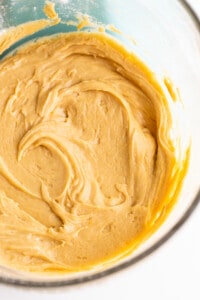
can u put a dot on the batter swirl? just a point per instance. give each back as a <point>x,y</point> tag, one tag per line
<point>87,158</point>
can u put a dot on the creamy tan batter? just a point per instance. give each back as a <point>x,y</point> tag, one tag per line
<point>88,163</point>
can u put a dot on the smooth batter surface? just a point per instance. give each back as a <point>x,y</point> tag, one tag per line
<point>87,158</point>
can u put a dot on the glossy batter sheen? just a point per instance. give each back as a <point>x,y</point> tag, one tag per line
<point>87,158</point>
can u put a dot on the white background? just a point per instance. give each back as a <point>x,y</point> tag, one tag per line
<point>171,273</point>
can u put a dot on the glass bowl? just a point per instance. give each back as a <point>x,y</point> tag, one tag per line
<point>167,35</point>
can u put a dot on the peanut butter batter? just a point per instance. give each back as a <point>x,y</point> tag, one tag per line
<point>90,162</point>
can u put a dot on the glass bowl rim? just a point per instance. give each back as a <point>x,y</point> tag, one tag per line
<point>132,261</point>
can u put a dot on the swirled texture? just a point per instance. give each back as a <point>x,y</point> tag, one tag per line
<point>87,161</point>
